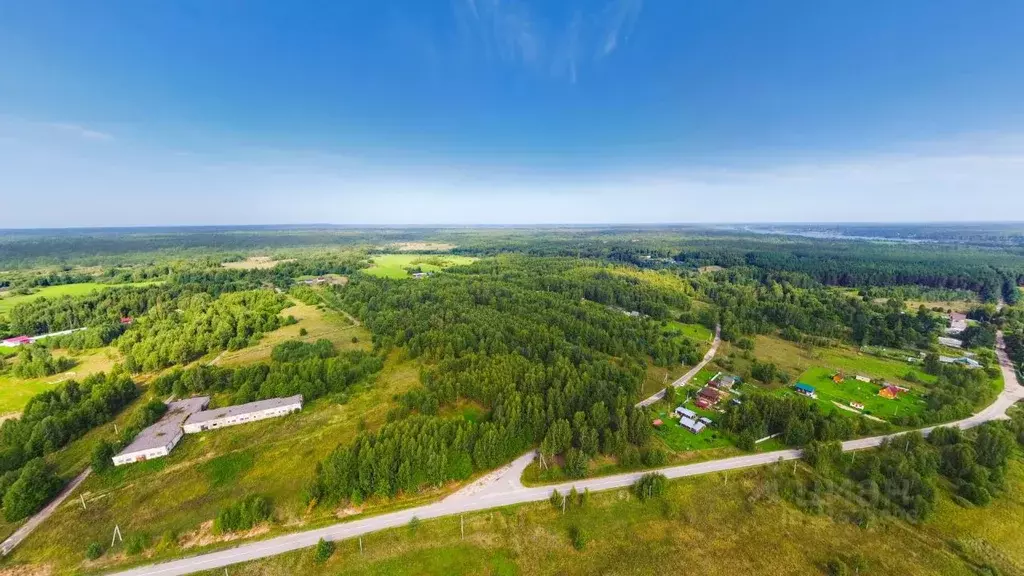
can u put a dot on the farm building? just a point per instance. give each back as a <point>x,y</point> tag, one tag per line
<point>709,395</point>
<point>961,361</point>
<point>862,378</point>
<point>685,413</point>
<point>856,405</point>
<point>705,421</point>
<point>694,426</point>
<point>159,439</point>
<point>805,389</point>
<point>657,423</point>
<point>838,378</point>
<point>724,382</point>
<point>22,340</point>
<point>951,342</point>
<point>957,323</point>
<point>242,413</point>
<point>890,392</point>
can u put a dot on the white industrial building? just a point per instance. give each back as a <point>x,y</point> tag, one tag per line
<point>242,413</point>
<point>158,440</point>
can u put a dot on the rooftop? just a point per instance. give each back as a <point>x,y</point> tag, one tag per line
<point>218,413</point>
<point>168,426</point>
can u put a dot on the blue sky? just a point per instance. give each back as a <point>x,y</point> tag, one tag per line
<point>144,112</point>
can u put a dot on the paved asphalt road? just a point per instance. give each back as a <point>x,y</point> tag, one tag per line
<point>503,488</point>
<point>685,378</point>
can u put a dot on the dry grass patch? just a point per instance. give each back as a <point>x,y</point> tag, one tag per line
<point>255,263</point>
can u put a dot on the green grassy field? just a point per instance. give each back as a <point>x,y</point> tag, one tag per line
<point>209,471</point>
<point>795,359</point>
<point>16,392</point>
<point>712,522</point>
<point>10,301</point>
<point>852,390</point>
<point>696,332</point>
<point>394,265</point>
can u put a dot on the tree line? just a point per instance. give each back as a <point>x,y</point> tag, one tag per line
<point>296,368</point>
<point>50,421</point>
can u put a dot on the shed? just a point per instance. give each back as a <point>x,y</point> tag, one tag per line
<point>805,389</point>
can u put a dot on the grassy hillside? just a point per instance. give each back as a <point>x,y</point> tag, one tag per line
<point>717,524</point>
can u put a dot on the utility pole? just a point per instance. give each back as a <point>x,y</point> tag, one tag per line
<point>563,503</point>
<point>82,497</point>
<point>360,544</point>
<point>462,525</point>
<point>116,431</point>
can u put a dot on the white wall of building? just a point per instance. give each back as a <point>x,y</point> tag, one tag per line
<point>192,428</point>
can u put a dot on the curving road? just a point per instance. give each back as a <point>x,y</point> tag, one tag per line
<point>685,378</point>
<point>503,488</point>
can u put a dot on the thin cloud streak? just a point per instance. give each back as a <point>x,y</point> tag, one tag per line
<point>946,182</point>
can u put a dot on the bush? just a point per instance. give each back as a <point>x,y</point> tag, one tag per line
<point>575,464</point>
<point>242,515</point>
<point>654,457</point>
<point>102,456</point>
<point>324,550</point>
<point>355,339</point>
<point>578,537</point>
<point>650,486</point>
<point>94,551</point>
<point>303,332</point>
<point>136,543</point>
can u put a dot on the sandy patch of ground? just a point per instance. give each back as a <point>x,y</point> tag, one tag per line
<point>255,263</point>
<point>706,269</point>
<point>204,536</point>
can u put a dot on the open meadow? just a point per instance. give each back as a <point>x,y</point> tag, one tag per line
<point>397,265</point>
<point>726,525</point>
<point>9,301</point>
<point>16,392</point>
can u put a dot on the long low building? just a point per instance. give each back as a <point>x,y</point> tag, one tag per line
<point>159,439</point>
<point>242,413</point>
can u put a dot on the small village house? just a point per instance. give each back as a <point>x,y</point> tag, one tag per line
<point>889,392</point>
<point>805,389</point>
<point>694,426</point>
<point>710,395</point>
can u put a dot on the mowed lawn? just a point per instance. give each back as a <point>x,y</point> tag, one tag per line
<point>394,265</point>
<point>866,393</point>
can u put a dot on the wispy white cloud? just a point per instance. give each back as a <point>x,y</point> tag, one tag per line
<point>81,132</point>
<point>511,30</point>
<point>619,18</point>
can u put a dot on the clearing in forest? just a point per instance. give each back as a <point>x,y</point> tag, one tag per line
<point>255,263</point>
<point>16,392</point>
<point>864,393</point>
<point>9,300</point>
<point>398,265</point>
